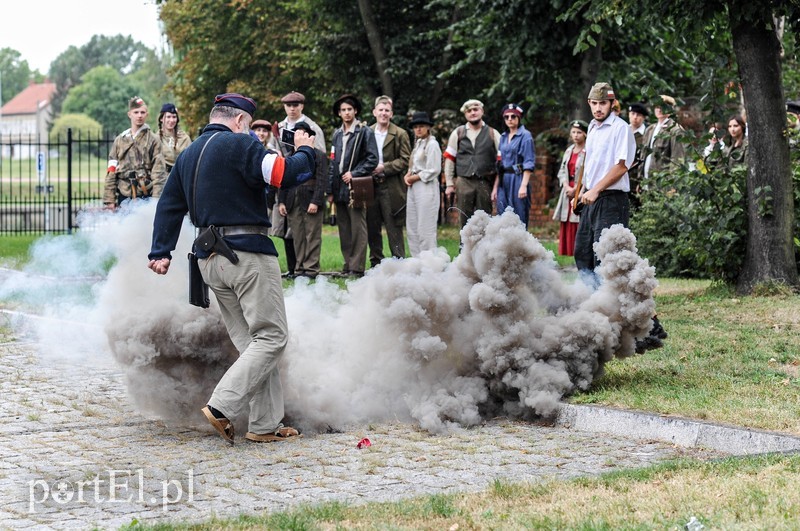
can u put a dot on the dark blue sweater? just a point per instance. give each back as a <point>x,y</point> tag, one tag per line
<point>230,189</point>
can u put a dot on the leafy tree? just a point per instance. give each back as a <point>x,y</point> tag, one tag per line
<point>80,124</point>
<point>769,256</point>
<point>15,74</point>
<point>103,94</point>
<point>119,52</point>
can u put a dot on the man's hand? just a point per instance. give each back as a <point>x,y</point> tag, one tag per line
<point>312,208</point>
<point>448,191</point>
<point>282,209</point>
<point>347,177</point>
<point>160,266</point>
<point>378,169</point>
<point>589,196</point>
<point>301,138</point>
<point>570,190</point>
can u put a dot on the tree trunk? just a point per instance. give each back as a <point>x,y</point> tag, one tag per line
<point>376,45</point>
<point>770,204</point>
<point>591,60</point>
<point>444,63</point>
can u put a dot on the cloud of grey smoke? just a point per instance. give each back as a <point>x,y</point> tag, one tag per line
<point>428,340</point>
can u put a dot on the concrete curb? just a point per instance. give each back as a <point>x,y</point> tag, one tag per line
<point>676,430</point>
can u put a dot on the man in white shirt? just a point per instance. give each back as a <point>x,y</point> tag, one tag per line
<point>610,151</point>
<point>293,104</point>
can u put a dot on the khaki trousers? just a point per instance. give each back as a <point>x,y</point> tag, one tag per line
<point>352,236</point>
<point>307,231</point>
<point>472,195</point>
<point>250,299</point>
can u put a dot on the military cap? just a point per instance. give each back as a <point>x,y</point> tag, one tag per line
<point>237,101</point>
<point>512,108</point>
<point>602,91</point>
<point>346,98</point>
<point>293,97</point>
<point>640,108</point>
<point>470,104</point>
<point>580,124</point>
<point>169,107</point>
<point>135,102</point>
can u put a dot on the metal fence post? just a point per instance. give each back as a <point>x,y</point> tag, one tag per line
<point>69,180</point>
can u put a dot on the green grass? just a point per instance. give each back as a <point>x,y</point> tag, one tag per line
<point>18,178</point>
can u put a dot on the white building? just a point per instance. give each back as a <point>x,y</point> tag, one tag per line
<point>24,121</point>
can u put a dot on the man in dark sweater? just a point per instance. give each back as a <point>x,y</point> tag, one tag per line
<point>220,180</point>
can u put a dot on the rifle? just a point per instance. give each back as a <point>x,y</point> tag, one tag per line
<point>576,206</point>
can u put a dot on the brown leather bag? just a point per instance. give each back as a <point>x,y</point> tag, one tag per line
<point>362,190</point>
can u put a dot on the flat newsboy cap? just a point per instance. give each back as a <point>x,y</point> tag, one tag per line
<point>169,107</point>
<point>237,101</point>
<point>420,118</point>
<point>261,123</point>
<point>135,102</point>
<point>640,108</point>
<point>602,91</point>
<point>293,97</point>
<point>470,104</point>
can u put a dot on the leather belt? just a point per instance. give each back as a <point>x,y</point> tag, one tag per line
<point>240,230</point>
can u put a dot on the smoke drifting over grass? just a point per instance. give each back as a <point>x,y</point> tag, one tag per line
<point>444,344</point>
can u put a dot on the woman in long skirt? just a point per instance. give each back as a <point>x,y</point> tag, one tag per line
<point>422,179</point>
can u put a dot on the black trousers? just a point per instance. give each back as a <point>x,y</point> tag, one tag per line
<point>612,207</point>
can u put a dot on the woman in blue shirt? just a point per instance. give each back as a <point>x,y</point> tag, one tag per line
<point>517,159</point>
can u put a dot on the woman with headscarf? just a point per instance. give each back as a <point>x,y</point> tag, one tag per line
<point>173,139</point>
<point>571,166</point>
<point>517,160</point>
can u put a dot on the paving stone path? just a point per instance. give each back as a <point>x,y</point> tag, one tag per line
<point>75,454</point>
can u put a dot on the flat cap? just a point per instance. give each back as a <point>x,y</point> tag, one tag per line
<point>261,123</point>
<point>293,97</point>
<point>602,91</point>
<point>237,101</point>
<point>470,104</point>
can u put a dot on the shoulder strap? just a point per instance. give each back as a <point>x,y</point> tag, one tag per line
<point>193,209</point>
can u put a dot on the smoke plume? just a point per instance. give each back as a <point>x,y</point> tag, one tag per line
<point>441,343</point>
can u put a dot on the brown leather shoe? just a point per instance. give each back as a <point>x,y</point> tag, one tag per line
<point>284,433</point>
<point>223,425</point>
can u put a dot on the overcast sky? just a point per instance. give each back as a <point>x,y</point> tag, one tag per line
<point>41,29</point>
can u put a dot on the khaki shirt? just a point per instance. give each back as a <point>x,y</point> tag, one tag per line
<point>135,156</point>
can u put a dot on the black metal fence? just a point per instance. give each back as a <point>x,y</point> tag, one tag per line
<point>45,186</point>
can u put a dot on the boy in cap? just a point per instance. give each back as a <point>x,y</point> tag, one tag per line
<point>293,104</point>
<point>244,276</point>
<point>136,167</point>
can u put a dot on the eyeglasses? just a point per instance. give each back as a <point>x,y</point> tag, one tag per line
<point>510,117</point>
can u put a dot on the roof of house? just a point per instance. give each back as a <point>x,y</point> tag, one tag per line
<point>26,101</point>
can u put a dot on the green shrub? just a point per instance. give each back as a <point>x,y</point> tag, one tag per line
<point>693,221</point>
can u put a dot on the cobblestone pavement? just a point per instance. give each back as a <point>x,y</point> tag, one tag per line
<point>74,455</point>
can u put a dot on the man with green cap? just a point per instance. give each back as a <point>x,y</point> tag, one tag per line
<point>610,151</point>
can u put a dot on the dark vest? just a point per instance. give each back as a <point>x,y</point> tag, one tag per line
<point>478,160</point>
